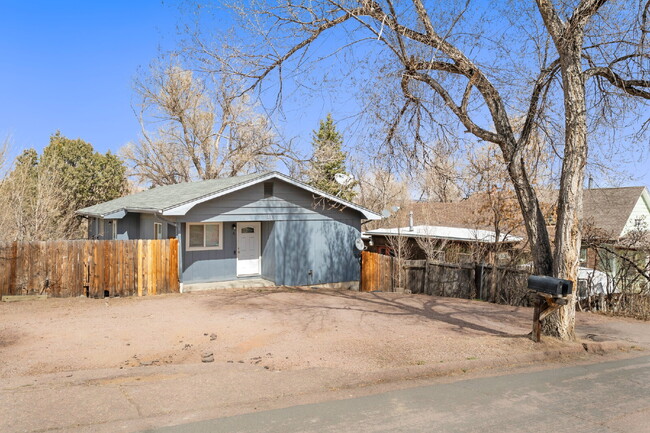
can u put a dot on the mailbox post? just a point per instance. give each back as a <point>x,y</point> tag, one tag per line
<point>551,294</point>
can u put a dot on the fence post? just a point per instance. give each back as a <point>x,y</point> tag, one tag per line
<point>426,277</point>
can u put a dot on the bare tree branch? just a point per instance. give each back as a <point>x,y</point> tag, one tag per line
<point>631,87</point>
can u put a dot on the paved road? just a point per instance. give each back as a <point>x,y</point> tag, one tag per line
<point>607,397</point>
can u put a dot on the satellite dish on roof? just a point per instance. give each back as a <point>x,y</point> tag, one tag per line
<point>358,244</point>
<point>343,179</point>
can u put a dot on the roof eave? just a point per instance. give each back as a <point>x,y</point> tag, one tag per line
<point>117,213</point>
<point>180,210</point>
<point>509,240</point>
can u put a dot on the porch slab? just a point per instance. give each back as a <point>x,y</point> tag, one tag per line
<point>251,283</point>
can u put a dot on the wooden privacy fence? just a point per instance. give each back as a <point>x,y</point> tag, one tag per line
<point>456,280</point>
<point>89,268</point>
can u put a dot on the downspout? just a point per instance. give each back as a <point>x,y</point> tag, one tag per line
<point>180,256</point>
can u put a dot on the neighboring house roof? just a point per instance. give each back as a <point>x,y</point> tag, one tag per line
<point>462,214</point>
<point>613,209</point>
<point>178,199</point>
<point>440,232</point>
<point>471,213</point>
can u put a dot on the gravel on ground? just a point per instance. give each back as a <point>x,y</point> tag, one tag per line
<point>278,329</point>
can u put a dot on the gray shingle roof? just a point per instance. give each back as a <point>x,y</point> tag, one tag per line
<point>168,196</point>
<point>609,208</point>
<point>181,197</point>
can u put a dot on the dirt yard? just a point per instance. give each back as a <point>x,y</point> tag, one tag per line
<point>278,329</point>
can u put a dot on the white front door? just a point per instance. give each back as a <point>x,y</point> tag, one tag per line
<point>248,249</point>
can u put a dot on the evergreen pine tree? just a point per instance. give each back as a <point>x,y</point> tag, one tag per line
<point>329,160</point>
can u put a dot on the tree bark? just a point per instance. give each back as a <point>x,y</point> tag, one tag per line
<point>561,324</point>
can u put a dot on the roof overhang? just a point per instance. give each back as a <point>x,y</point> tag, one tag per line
<point>183,208</point>
<point>117,214</point>
<point>473,235</point>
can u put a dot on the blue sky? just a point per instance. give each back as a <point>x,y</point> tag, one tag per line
<point>69,65</point>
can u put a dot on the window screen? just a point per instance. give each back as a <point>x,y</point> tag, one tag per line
<point>212,235</point>
<point>196,236</point>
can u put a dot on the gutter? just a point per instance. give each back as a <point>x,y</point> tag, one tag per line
<point>126,209</point>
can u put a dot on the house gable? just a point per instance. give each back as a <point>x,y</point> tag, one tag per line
<point>287,203</point>
<point>184,208</point>
<point>639,218</point>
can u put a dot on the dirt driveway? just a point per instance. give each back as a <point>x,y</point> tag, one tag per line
<point>278,329</point>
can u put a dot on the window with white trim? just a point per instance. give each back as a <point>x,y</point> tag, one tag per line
<point>157,230</point>
<point>204,236</point>
<point>583,255</point>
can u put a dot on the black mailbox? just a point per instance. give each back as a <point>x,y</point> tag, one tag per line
<point>550,285</point>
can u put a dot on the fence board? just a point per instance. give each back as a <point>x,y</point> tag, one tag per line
<point>140,260</point>
<point>73,268</point>
<point>380,272</point>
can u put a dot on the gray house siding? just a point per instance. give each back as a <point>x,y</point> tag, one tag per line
<point>268,250</point>
<point>92,224</point>
<point>146,226</point>
<point>315,252</point>
<point>299,234</point>
<point>221,265</point>
<point>128,227</point>
<point>210,265</point>
<point>288,203</point>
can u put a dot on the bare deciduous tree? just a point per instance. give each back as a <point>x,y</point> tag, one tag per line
<point>378,190</point>
<point>433,248</point>
<point>439,179</point>
<point>4,148</point>
<point>402,249</point>
<point>201,131</point>
<point>32,198</point>
<point>596,49</point>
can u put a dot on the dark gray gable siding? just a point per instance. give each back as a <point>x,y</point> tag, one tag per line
<point>300,234</point>
<point>288,203</point>
<point>128,227</point>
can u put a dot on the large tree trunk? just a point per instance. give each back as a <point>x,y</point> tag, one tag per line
<point>536,230</point>
<point>569,213</point>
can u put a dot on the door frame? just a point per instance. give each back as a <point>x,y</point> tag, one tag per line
<point>258,230</point>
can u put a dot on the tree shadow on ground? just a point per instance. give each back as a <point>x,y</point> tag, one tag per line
<point>464,316</point>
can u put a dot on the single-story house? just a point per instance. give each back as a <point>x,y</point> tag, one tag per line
<point>266,225</point>
<point>450,244</point>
